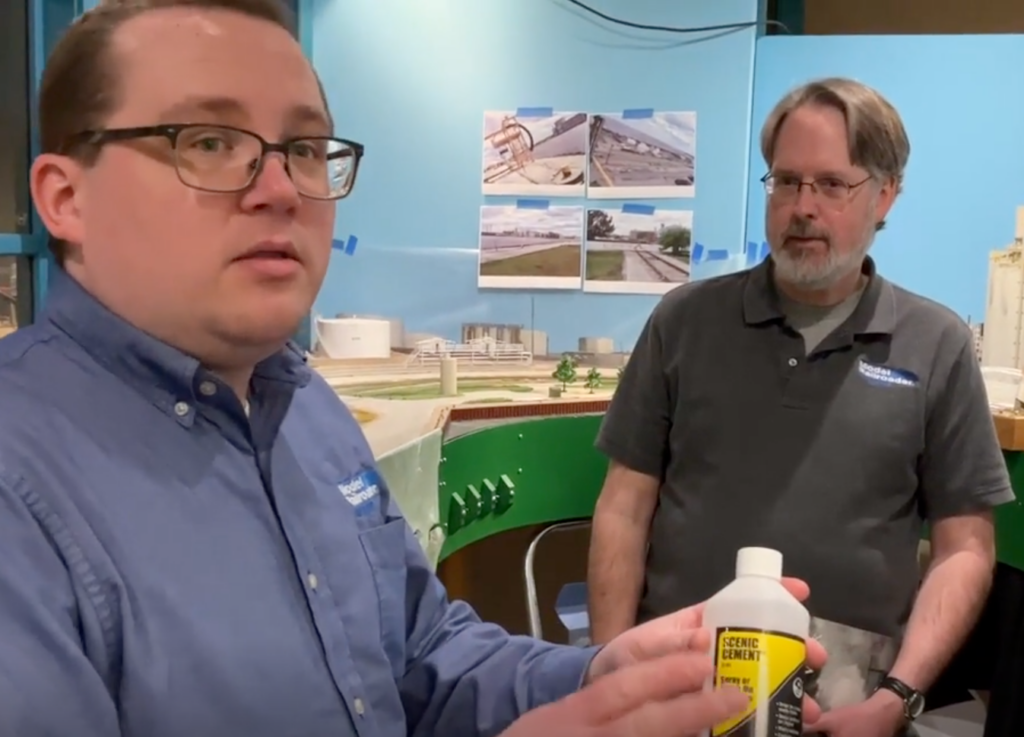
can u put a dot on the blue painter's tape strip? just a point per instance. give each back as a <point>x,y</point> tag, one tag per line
<point>636,208</point>
<point>752,252</point>
<point>346,245</point>
<point>534,112</point>
<point>638,113</point>
<point>717,254</point>
<point>533,204</point>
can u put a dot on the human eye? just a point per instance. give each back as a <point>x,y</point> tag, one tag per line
<point>786,182</point>
<point>309,148</point>
<point>832,186</point>
<point>209,140</point>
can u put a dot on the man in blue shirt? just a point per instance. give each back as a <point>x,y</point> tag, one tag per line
<point>194,540</point>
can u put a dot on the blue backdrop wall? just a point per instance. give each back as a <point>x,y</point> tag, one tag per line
<point>966,173</point>
<point>413,87</point>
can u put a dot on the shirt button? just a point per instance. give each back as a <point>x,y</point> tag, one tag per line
<point>311,580</point>
<point>358,705</point>
<point>208,388</point>
<point>793,362</point>
<point>181,409</point>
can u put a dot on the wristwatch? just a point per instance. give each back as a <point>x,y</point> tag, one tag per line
<point>913,700</point>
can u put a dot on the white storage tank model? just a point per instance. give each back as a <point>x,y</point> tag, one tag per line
<point>1003,335</point>
<point>397,326</point>
<point>351,338</point>
<point>597,345</point>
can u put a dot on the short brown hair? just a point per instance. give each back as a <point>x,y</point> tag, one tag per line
<point>79,88</point>
<point>878,139</point>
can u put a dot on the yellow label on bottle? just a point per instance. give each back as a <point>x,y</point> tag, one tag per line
<point>769,668</point>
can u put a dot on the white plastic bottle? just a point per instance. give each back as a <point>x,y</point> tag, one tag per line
<point>759,644</point>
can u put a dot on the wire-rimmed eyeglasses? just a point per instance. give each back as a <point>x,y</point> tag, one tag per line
<point>834,191</point>
<point>225,159</point>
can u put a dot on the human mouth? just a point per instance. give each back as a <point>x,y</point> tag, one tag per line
<point>272,259</point>
<point>805,240</point>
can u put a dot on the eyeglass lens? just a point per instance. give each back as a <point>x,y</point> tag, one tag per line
<point>788,188</point>
<point>224,160</point>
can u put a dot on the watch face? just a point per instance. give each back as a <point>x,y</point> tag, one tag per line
<point>915,706</point>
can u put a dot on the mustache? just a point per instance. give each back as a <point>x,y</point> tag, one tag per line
<point>804,229</point>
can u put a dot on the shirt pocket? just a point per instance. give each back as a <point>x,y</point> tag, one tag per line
<point>384,547</point>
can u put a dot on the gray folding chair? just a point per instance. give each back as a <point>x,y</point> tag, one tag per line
<point>570,594</point>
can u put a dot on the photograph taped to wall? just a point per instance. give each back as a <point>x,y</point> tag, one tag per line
<point>8,295</point>
<point>637,249</point>
<point>530,245</point>
<point>642,154</point>
<point>535,152</point>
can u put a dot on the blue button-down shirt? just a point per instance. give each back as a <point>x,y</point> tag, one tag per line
<point>170,567</point>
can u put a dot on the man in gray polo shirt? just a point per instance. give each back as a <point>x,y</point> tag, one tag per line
<point>809,405</point>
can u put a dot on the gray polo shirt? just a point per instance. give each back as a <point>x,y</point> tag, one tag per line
<point>835,458</point>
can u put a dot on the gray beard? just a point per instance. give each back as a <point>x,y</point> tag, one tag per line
<point>804,274</point>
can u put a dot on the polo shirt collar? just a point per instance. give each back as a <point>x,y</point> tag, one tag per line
<point>874,315</point>
<point>158,371</point>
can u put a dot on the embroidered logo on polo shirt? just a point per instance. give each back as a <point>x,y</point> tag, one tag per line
<point>362,491</point>
<point>886,376</point>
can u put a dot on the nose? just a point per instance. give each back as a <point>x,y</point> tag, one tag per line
<point>806,203</point>
<point>273,188</point>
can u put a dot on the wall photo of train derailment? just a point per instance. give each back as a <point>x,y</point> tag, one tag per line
<point>637,249</point>
<point>534,152</point>
<point>642,154</point>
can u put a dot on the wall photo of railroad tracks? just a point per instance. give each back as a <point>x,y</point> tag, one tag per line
<point>642,154</point>
<point>530,245</point>
<point>535,152</point>
<point>637,249</point>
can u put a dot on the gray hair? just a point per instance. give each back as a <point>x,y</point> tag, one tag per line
<point>878,140</point>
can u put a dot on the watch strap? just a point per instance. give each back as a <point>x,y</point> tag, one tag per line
<point>913,700</point>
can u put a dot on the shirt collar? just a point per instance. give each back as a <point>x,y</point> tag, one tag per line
<point>158,371</point>
<point>875,314</point>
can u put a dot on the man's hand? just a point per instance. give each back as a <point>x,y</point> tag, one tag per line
<point>680,632</point>
<point>880,715</point>
<point>660,697</point>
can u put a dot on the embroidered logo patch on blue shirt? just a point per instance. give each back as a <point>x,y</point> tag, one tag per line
<point>362,491</point>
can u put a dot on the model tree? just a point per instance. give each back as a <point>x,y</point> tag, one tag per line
<point>565,372</point>
<point>593,379</point>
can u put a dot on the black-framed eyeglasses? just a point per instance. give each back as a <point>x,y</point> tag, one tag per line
<point>833,190</point>
<point>225,159</point>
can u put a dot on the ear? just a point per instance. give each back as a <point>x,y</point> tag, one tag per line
<point>886,197</point>
<point>54,181</point>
